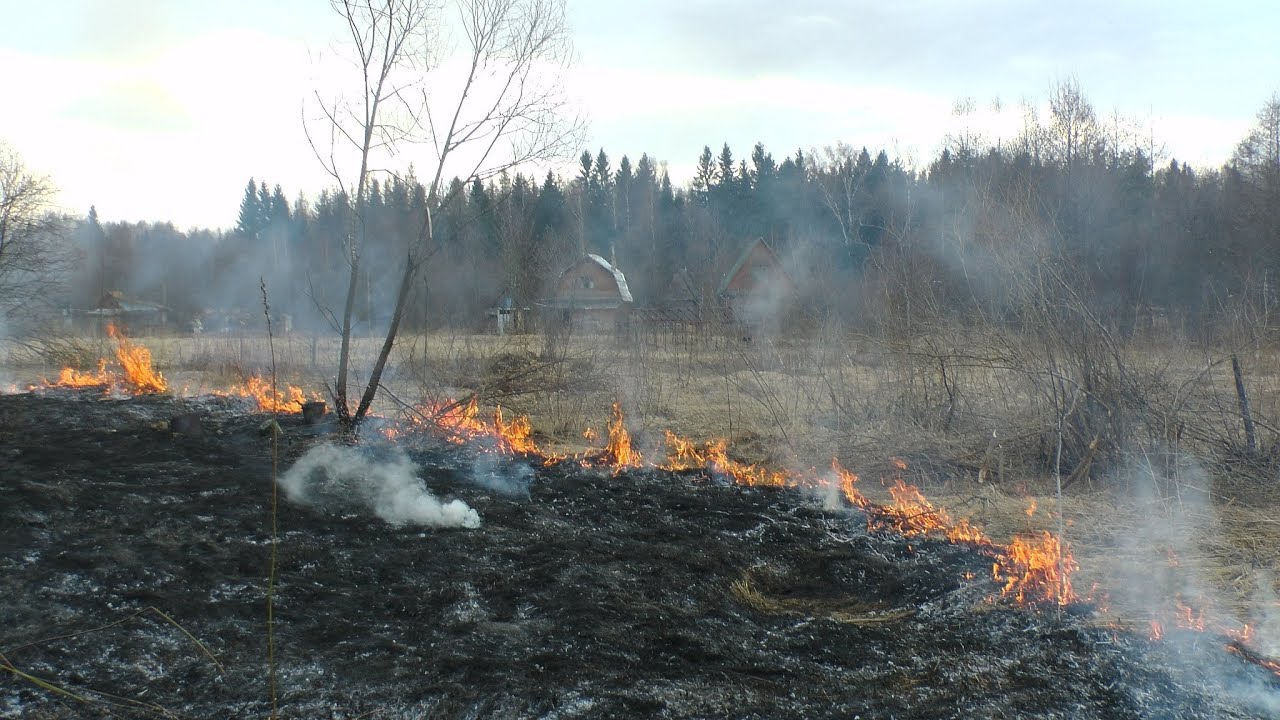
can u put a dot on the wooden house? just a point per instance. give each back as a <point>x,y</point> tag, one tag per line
<point>130,315</point>
<point>756,290</point>
<point>591,295</point>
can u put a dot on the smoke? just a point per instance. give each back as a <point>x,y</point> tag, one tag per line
<point>493,472</point>
<point>1170,573</point>
<point>336,477</point>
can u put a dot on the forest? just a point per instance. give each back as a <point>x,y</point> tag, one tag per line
<point>1139,237</point>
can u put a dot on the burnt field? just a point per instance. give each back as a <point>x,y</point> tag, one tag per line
<point>581,593</point>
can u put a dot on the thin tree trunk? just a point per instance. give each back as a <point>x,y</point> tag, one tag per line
<point>1250,435</point>
<point>344,352</point>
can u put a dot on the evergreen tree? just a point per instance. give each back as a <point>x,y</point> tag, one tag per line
<point>250,222</point>
<point>704,177</point>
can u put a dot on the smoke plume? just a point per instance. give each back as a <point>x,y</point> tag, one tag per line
<point>335,477</point>
<point>1181,523</point>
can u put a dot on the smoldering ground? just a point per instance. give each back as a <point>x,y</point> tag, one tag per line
<point>638,593</point>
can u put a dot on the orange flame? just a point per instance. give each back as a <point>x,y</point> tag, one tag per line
<point>618,451</point>
<point>1036,569</point>
<point>135,361</point>
<point>289,400</point>
<point>1029,570</point>
<point>136,374</point>
<point>74,378</point>
<point>684,454</point>
<point>461,423</point>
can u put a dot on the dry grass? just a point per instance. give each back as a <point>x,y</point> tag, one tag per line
<point>746,591</point>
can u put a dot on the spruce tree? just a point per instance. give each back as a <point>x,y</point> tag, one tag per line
<point>249,224</point>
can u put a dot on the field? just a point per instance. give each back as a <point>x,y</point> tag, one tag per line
<point>1175,531</point>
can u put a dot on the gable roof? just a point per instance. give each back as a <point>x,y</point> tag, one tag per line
<point>617,276</point>
<point>742,260</point>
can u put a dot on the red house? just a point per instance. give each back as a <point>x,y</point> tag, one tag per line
<point>756,289</point>
<point>591,295</point>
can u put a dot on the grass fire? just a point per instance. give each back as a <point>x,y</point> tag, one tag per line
<point>931,564</point>
<point>902,403</point>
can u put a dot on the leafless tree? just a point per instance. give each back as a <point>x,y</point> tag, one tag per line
<point>31,256</point>
<point>839,180</point>
<point>1257,157</point>
<point>1073,126</point>
<point>475,85</point>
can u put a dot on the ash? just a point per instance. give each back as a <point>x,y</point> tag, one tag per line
<point>645,594</point>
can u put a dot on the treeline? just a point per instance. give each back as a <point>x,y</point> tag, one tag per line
<point>1073,201</point>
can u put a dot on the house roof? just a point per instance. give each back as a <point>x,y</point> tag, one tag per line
<point>617,275</point>
<point>742,259</point>
<point>114,302</point>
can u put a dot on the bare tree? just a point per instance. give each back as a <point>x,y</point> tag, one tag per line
<point>1073,127</point>
<point>1257,157</point>
<point>31,255</point>
<point>476,84</point>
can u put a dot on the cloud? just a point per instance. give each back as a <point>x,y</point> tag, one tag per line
<point>131,105</point>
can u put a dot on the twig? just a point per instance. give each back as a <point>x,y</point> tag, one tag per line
<point>121,621</point>
<point>275,469</point>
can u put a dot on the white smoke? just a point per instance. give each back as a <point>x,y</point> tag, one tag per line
<point>495,473</point>
<point>335,476</point>
<point>1181,521</point>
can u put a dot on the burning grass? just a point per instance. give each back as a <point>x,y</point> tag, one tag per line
<point>1033,569</point>
<point>773,405</point>
<point>131,373</point>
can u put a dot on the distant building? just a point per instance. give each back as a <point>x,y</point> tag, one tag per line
<point>507,316</point>
<point>130,315</point>
<point>591,295</point>
<point>756,290</point>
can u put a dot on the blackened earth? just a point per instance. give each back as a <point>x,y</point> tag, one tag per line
<point>645,594</point>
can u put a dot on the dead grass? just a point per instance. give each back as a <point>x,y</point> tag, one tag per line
<point>746,591</point>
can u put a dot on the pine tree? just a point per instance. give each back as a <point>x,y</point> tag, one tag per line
<point>249,224</point>
<point>704,177</point>
<point>725,169</point>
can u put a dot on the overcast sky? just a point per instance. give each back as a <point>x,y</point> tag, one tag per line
<point>162,110</point>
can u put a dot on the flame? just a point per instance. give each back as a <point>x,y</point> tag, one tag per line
<point>618,451</point>
<point>1250,656</point>
<point>514,436</point>
<point>1031,508</point>
<point>1036,569</point>
<point>290,400</point>
<point>1234,636</point>
<point>684,454</point>
<point>460,423</point>
<point>135,361</point>
<point>136,375</point>
<point>74,378</point>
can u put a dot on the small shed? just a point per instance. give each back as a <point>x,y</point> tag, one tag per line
<point>507,316</point>
<point>756,288</point>
<point>591,295</point>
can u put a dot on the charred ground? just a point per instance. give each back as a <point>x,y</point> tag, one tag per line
<point>642,594</point>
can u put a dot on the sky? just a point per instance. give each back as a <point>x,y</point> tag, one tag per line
<point>162,110</point>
